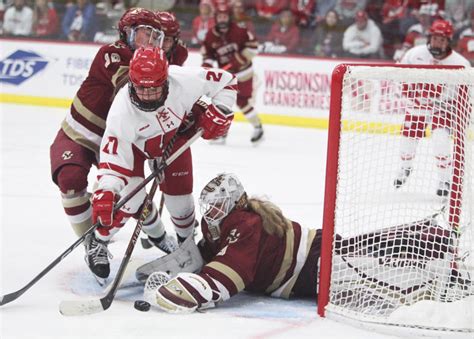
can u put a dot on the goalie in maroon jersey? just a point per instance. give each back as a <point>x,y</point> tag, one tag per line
<point>233,48</point>
<point>248,244</point>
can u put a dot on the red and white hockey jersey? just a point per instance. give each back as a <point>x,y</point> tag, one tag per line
<point>420,55</point>
<point>133,135</point>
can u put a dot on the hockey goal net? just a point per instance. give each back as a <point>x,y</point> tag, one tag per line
<point>399,257</point>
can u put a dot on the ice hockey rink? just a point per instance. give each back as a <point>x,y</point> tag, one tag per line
<point>288,167</point>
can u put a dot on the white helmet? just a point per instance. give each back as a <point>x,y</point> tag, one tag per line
<point>218,198</point>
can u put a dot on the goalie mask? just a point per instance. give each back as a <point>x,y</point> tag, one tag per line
<point>139,27</point>
<point>218,198</point>
<point>148,85</point>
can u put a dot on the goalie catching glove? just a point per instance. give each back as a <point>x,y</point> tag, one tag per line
<point>185,293</point>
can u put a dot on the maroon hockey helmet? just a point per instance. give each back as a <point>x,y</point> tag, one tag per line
<point>222,7</point>
<point>169,24</point>
<point>138,16</point>
<point>442,28</point>
<point>148,74</point>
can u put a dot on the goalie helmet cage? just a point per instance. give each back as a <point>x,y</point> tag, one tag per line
<point>414,278</point>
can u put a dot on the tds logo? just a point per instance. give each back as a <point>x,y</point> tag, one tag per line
<point>20,66</point>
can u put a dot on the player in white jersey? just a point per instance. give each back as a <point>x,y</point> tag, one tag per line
<point>142,120</point>
<point>419,115</point>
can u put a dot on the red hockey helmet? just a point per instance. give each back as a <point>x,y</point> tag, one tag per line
<point>138,16</point>
<point>443,28</point>
<point>148,74</point>
<point>169,24</point>
<point>221,9</point>
<point>149,67</point>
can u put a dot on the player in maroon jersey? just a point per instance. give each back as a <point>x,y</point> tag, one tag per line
<point>233,48</point>
<point>248,244</point>
<point>174,47</point>
<point>76,147</point>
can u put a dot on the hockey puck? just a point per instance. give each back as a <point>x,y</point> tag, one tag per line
<point>142,305</point>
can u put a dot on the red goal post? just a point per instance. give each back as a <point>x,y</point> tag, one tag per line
<point>398,248</point>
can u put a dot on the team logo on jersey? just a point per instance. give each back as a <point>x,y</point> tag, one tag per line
<point>67,155</point>
<point>20,66</point>
<point>233,236</point>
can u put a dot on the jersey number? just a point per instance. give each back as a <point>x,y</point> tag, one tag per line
<point>111,146</point>
<point>213,76</point>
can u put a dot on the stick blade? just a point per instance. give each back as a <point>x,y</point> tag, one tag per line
<point>80,307</point>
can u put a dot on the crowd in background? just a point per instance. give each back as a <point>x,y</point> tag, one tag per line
<point>369,29</point>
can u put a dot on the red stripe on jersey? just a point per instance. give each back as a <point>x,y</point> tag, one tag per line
<point>116,168</point>
<point>231,87</point>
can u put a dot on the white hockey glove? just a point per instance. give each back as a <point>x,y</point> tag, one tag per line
<point>186,293</point>
<point>186,258</point>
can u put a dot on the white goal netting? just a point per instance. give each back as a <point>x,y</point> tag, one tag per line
<point>403,225</point>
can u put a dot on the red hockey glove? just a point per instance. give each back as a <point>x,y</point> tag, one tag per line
<point>215,122</point>
<point>103,207</point>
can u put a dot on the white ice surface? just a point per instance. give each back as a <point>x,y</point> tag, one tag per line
<point>288,168</point>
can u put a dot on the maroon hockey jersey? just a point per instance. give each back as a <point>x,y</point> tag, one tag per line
<point>232,51</point>
<point>246,257</point>
<point>85,122</point>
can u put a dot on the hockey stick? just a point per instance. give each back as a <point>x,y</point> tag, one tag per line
<point>5,299</point>
<point>79,307</point>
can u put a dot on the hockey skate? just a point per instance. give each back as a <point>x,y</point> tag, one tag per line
<point>97,258</point>
<point>257,134</point>
<point>165,243</point>
<point>444,188</point>
<point>402,177</point>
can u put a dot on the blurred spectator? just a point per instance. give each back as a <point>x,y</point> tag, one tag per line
<point>328,37</point>
<point>458,13</point>
<point>466,42</point>
<point>284,36</point>
<point>322,8</point>
<point>303,11</point>
<point>108,14</point>
<point>79,22</point>
<point>347,10</point>
<point>270,9</point>
<point>363,39</point>
<point>418,33</point>
<point>203,22</point>
<point>18,19</point>
<point>45,20</point>
<point>241,18</point>
<point>392,12</point>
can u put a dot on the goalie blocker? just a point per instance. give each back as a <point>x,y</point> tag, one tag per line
<point>251,253</point>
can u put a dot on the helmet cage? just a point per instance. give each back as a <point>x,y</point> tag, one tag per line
<point>148,105</point>
<point>158,42</point>
<point>218,198</point>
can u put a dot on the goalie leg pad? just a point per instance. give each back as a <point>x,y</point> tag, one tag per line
<point>186,258</point>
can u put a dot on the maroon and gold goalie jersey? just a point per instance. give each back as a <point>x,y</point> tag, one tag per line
<point>233,50</point>
<point>85,122</point>
<point>247,258</point>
